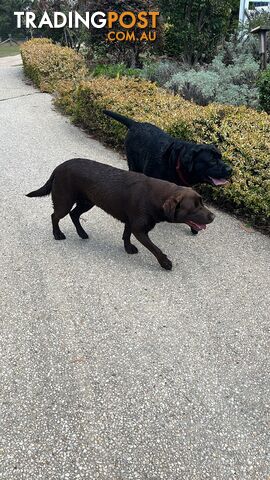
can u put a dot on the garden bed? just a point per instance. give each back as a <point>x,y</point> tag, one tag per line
<point>242,134</point>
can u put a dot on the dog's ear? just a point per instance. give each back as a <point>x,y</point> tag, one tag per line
<point>170,206</point>
<point>217,153</point>
<point>170,156</point>
<point>188,157</point>
<point>191,151</point>
<point>213,147</point>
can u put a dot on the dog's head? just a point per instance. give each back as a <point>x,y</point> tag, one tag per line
<point>204,164</point>
<point>186,206</point>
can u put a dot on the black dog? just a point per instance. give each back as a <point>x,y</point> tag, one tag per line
<point>136,200</point>
<point>156,154</point>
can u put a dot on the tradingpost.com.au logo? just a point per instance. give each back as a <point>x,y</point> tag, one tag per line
<point>126,26</point>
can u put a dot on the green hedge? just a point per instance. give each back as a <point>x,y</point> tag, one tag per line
<point>242,134</point>
<point>264,90</point>
<point>47,64</point>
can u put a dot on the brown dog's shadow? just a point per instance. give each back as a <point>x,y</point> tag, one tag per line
<point>105,244</point>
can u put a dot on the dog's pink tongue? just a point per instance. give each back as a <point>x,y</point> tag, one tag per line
<point>200,226</point>
<point>218,181</point>
<point>196,226</point>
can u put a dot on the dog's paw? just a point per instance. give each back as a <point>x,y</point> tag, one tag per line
<point>131,249</point>
<point>83,235</point>
<point>166,263</point>
<point>59,236</point>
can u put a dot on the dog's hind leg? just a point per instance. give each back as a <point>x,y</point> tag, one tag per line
<point>62,207</point>
<point>127,244</point>
<point>82,206</point>
<point>56,217</point>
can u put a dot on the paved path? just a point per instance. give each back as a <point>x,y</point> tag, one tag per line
<point>111,367</point>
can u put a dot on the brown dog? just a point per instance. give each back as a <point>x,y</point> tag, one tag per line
<point>136,200</point>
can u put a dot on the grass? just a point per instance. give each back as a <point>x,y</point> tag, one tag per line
<point>7,50</point>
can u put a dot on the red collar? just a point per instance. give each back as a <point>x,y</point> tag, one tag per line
<point>181,174</point>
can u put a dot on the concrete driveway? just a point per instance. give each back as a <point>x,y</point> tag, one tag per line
<point>112,368</point>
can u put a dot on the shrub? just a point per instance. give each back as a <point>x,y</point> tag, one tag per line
<point>47,64</point>
<point>134,97</point>
<point>200,87</point>
<point>264,89</point>
<point>232,84</point>
<point>114,71</point>
<point>240,43</point>
<point>160,72</point>
<point>242,134</point>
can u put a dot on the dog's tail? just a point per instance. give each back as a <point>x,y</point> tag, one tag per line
<point>128,122</point>
<point>45,190</point>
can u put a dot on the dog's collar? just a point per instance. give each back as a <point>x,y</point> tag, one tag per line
<point>181,174</point>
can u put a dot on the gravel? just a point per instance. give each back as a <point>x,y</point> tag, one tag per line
<point>112,368</point>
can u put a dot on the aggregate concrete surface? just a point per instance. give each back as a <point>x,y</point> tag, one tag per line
<point>112,368</point>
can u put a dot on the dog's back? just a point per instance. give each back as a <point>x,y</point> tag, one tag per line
<point>145,146</point>
<point>114,190</point>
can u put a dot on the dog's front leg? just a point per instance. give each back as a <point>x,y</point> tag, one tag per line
<point>160,256</point>
<point>126,237</point>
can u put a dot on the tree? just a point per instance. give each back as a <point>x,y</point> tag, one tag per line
<point>194,28</point>
<point>63,35</point>
<point>7,17</point>
<point>126,52</point>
